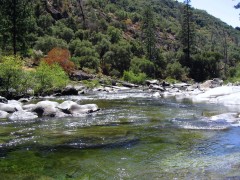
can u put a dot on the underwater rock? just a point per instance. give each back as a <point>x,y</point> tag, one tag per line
<point>22,116</point>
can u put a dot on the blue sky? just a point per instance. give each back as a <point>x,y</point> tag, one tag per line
<point>222,9</point>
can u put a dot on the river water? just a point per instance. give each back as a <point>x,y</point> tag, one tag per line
<point>133,136</point>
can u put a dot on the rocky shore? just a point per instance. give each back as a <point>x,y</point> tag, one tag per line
<point>211,91</point>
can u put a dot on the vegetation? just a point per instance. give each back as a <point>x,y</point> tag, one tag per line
<point>127,39</point>
<point>15,81</point>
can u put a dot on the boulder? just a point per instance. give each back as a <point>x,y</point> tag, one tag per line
<point>156,87</point>
<point>228,117</point>
<point>10,108</point>
<point>66,106</point>
<point>156,95</point>
<point>70,107</point>
<point>22,116</point>
<point>29,107</point>
<point>216,82</point>
<point>80,75</point>
<point>155,82</point>
<point>129,85</point>
<point>69,90</point>
<point>3,100</point>
<point>46,108</point>
<point>217,94</point>
<point>181,86</point>
<point>3,114</point>
<point>23,100</point>
<point>230,99</point>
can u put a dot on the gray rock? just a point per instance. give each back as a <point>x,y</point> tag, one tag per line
<point>29,107</point>
<point>22,116</point>
<point>211,83</point>
<point>10,108</point>
<point>3,100</point>
<point>155,82</point>
<point>69,90</point>
<point>70,107</point>
<point>129,85</point>
<point>156,87</point>
<point>3,114</point>
<point>80,75</point>
<point>46,108</point>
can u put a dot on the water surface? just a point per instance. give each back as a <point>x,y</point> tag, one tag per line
<point>134,136</point>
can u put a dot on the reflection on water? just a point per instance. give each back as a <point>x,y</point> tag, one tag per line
<point>134,136</point>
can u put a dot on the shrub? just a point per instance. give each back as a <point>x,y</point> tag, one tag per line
<point>61,57</point>
<point>10,74</point>
<point>46,43</point>
<point>139,78</point>
<point>176,71</point>
<point>142,65</point>
<point>49,77</point>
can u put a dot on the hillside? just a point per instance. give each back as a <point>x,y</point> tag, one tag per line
<point>108,37</point>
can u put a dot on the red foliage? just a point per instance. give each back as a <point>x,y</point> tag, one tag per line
<point>61,57</point>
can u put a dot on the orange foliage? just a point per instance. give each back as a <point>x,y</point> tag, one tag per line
<point>61,57</point>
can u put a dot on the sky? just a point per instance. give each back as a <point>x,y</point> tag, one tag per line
<point>222,9</point>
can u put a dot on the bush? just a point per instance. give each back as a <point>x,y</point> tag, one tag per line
<point>61,57</point>
<point>176,71</point>
<point>142,65</point>
<point>234,74</point>
<point>49,78</point>
<point>46,43</point>
<point>10,74</point>
<point>139,78</point>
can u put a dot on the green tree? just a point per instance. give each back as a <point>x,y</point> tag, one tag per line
<point>85,54</point>
<point>118,58</point>
<point>16,24</point>
<point>187,34</point>
<point>148,28</point>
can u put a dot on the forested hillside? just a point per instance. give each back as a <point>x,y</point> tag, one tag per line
<point>133,39</point>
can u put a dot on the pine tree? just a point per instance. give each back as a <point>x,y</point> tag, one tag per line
<point>16,22</point>
<point>148,28</point>
<point>187,34</point>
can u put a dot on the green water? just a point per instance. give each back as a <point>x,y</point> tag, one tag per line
<point>134,136</point>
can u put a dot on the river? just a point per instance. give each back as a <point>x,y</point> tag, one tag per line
<point>133,136</point>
